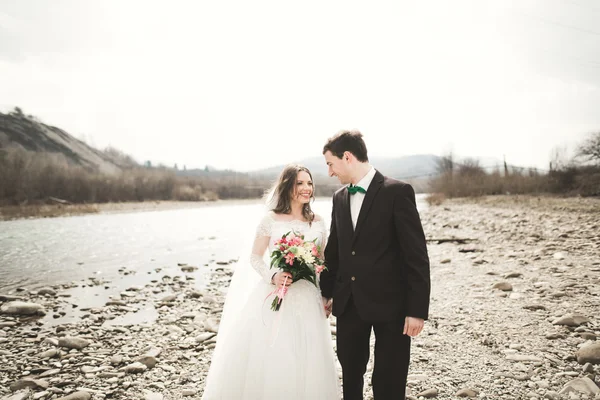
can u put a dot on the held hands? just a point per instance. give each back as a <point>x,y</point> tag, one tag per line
<point>280,277</point>
<point>327,304</point>
<point>413,326</point>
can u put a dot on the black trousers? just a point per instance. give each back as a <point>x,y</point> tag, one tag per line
<point>392,355</point>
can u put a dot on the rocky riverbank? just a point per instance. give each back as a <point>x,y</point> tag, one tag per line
<point>94,358</point>
<point>516,304</point>
<point>514,315</point>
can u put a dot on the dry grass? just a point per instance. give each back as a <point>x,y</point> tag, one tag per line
<point>435,199</point>
<point>474,182</point>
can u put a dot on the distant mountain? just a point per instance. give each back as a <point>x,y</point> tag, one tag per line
<point>26,132</point>
<point>18,130</point>
<point>403,168</point>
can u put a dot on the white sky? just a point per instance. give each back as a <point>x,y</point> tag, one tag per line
<point>250,84</point>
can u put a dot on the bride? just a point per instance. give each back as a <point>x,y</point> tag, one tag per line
<point>285,354</point>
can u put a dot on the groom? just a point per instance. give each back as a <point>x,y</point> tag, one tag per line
<point>378,270</point>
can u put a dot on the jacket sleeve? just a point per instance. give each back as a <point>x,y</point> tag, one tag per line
<point>411,240</point>
<point>328,276</point>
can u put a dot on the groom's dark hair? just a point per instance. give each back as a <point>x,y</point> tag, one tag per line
<point>351,141</point>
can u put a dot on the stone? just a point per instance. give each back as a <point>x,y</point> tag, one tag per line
<point>467,393</point>
<point>116,359</point>
<point>46,291</point>
<point>513,275</point>
<point>20,395</point>
<point>28,383</point>
<point>134,368</point>
<point>582,385</point>
<point>148,361</point>
<point>80,395</point>
<point>571,320</point>
<point>149,395</point>
<point>204,337</point>
<point>504,286</point>
<point>589,354</point>
<point>70,342</point>
<point>50,372</point>
<point>429,393</point>
<point>22,308</point>
<point>49,353</point>
<point>588,368</point>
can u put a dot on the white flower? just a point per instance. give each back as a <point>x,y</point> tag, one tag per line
<point>300,252</point>
<point>308,258</point>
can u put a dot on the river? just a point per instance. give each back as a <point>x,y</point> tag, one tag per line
<point>121,250</point>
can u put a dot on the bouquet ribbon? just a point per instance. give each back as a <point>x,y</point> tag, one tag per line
<point>280,293</point>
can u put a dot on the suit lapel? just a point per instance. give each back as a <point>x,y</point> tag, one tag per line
<point>345,209</point>
<point>367,202</point>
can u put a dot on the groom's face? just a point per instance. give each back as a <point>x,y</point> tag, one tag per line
<point>338,167</point>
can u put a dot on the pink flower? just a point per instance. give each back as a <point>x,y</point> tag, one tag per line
<point>319,268</point>
<point>281,242</point>
<point>289,258</point>
<point>315,251</point>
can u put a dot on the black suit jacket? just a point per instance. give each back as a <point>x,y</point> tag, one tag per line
<point>383,264</point>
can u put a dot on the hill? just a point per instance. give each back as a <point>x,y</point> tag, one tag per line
<point>25,132</point>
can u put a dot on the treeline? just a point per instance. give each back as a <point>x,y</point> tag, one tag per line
<point>28,177</point>
<point>578,176</point>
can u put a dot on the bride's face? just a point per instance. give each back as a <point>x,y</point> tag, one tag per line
<point>303,190</point>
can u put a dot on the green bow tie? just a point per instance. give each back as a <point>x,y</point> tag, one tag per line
<point>355,189</point>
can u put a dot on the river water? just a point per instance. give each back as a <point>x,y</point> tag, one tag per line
<point>126,249</point>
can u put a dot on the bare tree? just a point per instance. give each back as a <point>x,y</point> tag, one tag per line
<point>445,164</point>
<point>590,148</point>
<point>470,167</point>
<point>559,158</point>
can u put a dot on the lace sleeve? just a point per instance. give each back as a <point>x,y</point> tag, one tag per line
<point>323,236</point>
<point>261,243</point>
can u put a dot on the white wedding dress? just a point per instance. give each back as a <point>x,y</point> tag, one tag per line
<point>272,355</point>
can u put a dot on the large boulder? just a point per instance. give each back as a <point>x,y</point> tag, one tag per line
<point>589,354</point>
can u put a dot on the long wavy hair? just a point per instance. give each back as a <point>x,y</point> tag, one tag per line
<point>281,194</point>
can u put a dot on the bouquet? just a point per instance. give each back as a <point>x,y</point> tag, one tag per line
<point>300,258</point>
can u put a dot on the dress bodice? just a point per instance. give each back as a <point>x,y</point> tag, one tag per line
<point>274,228</point>
<point>309,231</point>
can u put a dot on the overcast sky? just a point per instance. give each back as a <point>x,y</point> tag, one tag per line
<point>250,84</point>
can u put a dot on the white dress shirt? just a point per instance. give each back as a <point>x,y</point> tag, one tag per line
<point>357,199</point>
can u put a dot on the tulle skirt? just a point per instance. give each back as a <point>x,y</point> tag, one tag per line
<point>286,354</point>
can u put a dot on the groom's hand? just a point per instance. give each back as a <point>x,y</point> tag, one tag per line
<point>327,303</point>
<point>413,326</point>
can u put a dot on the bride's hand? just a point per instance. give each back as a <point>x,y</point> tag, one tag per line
<point>280,278</point>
